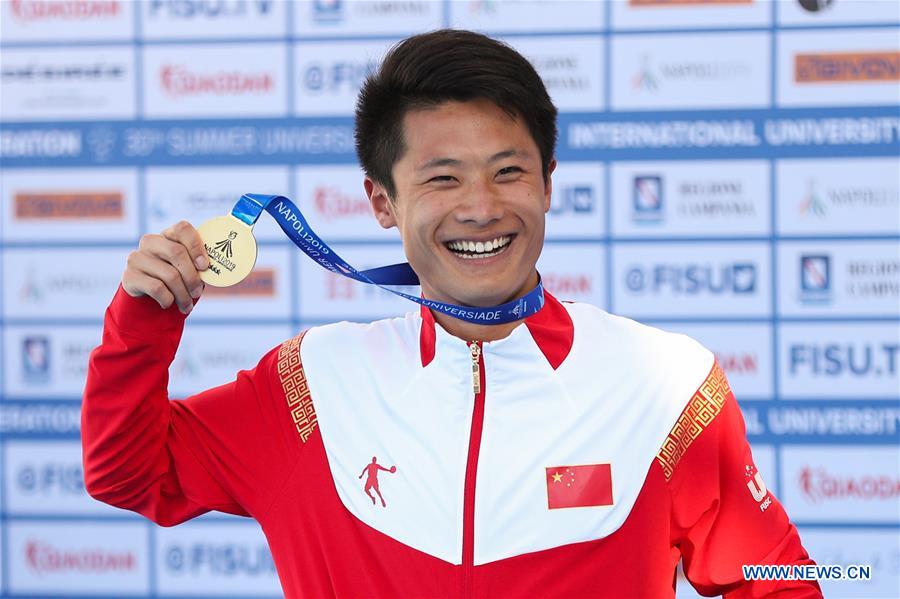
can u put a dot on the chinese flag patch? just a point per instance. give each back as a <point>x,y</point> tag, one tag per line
<point>579,486</point>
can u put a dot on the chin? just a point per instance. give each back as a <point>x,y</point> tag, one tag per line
<point>485,298</point>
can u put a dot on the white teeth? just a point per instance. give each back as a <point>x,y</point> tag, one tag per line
<point>481,249</point>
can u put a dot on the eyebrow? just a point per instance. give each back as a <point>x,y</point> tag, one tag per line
<point>440,162</point>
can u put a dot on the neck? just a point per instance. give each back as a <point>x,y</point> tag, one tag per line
<point>469,331</point>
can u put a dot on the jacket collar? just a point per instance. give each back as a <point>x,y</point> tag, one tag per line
<point>551,327</point>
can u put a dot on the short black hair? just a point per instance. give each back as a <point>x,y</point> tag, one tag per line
<point>426,70</point>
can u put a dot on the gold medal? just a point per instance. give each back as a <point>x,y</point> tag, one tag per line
<point>231,248</point>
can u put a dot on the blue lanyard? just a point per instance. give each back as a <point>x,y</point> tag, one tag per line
<point>290,219</point>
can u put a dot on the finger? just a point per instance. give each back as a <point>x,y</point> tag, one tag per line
<point>169,275</point>
<point>184,233</point>
<point>177,255</point>
<point>136,284</point>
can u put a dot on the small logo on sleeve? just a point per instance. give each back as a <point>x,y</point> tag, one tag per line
<point>757,487</point>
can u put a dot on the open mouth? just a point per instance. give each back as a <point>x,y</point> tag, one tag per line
<point>471,250</point>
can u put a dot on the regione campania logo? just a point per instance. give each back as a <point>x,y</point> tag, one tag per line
<point>815,278</point>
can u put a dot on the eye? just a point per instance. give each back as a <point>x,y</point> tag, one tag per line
<point>441,179</point>
<point>509,170</point>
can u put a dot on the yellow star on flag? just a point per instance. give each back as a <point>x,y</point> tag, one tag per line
<point>557,477</point>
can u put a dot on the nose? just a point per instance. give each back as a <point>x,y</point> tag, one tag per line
<point>481,205</point>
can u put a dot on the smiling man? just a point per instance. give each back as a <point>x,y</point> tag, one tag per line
<point>571,453</point>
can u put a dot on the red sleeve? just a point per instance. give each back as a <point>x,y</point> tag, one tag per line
<point>229,448</point>
<point>723,516</point>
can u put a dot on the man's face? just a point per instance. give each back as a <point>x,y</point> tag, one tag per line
<point>470,203</point>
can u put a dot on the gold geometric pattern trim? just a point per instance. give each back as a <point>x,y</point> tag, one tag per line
<point>296,389</point>
<point>706,403</point>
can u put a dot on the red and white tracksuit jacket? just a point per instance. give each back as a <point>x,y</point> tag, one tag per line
<point>582,456</point>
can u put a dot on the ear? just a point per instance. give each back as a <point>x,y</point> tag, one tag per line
<point>548,185</point>
<point>381,203</point>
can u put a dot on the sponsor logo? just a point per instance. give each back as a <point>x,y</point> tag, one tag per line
<point>195,202</point>
<point>74,359</point>
<point>56,73</point>
<point>479,7</point>
<point>812,203</point>
<point>864,279</point>
<point>33,291</point>
<point>192,361</point>
<point>693,279</point>
<point>873,278</point>
<point>574,198</point>
<point>40,143</point>
<point>650,3</point>
<point>645,79</point>
<point>223,558</point>
<point>336,77</point>
<point>177,81</point>
<point>560,72</point>
<point>649,77</point>
<point>36,359</point>
<point>714,198</point>
<point>45,558</point>
<point>815,279</point>
<point>647,199</point>
<point>259,283</point>
<point>393,8</point>
<point>71,10</point>
<point>815,5</point>
<point>839,359</point>
<point>817,204</point>
<point>744,363</point>
<point>567,285</point>
<point>819,485</point>
<point>49,478</point>
<point>847,67</point>
<point>188,9</point>
<point>757,487</point>
<point>332,11</point>
<point>370,471</point>
<point>101,142</point>
<point>339,288</point>
<point>69,205</point>
<point>328,11</point>
<point>331,203</point>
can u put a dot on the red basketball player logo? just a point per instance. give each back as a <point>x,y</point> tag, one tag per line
<point>372,478</point>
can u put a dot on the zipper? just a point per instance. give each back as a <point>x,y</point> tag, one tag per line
<point>478,389</point>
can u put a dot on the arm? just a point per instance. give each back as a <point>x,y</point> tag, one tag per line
<point>722,514</point>
<point>173,460</point>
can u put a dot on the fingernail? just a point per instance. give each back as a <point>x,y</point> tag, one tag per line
<point>200,261</point>
<point>187,310</point>
<point>197,291</point>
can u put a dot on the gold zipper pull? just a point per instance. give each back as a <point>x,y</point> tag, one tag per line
<point>475,349</point>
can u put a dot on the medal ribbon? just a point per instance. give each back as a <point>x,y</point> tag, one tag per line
<point>251,205</point>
